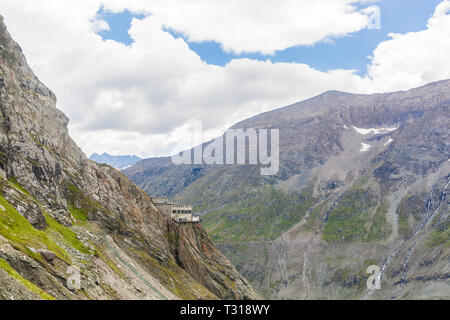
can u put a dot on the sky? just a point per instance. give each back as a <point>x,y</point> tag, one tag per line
<point>133,76</point>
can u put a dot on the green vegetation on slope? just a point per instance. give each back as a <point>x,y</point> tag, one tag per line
<point>380,227</point>
<point>80,205</point>
<point>17,229</point>
<point>351,219</point>
<point>313,221</point>
<point>29,285</point>
<point>24,237</point>
<point>18,186</point>
<point>264,215</point>
<point>65,235</point>
<point>409,212</point>
<point>440,236</point>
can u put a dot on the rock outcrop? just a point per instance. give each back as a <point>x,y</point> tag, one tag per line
<point>61,214</point>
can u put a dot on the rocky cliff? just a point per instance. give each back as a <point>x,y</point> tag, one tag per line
<point>363,181</point>
<point>60,210</point>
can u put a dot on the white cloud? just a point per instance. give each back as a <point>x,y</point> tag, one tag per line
<point>255,25</point>
<point>414,58</point>
<point>99,25</point>
<point>140,99</point>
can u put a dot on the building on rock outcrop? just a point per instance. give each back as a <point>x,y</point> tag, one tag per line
<point>178,212</point>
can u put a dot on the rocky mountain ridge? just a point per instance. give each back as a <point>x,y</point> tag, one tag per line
<point>363,181</point>
<point>119,162</point>
<point>61,212</point>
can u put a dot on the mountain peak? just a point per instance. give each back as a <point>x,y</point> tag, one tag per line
<point>15,60</point>
<point>119,162</point>
<point>362,177</point>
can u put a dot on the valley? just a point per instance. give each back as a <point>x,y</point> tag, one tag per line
<point>363,181</point>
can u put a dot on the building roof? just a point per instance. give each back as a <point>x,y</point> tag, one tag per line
<point>165,200</point>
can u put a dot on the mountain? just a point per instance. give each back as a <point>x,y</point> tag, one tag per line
<point>118,162</point>
<point>363,181</point>
<point>61,212</point>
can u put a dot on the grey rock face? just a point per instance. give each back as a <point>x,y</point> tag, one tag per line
<point>48,255</point>
<point>35,216</point>
<point>63,217</point>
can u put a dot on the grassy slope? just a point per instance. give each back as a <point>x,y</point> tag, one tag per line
<point>264,215</point>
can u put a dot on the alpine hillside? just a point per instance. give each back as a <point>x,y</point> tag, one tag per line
<point>363,181</point>
<point>59,212</point>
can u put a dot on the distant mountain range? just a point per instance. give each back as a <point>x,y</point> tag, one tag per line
<point>118,162</point>
<point>362,181</point>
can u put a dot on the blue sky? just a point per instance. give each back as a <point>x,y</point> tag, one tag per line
<point>119,24</point>
<point>351,52</point>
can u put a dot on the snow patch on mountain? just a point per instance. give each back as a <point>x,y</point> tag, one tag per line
<point>364,147</point>
<point>374,130</point>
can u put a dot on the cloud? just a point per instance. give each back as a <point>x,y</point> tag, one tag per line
<point>414,58</point>
<point>255,25</point>
<point>140,99</point>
